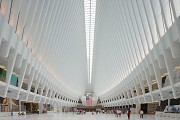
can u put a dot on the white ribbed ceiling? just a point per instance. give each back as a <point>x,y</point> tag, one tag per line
<point>55,32</point>
<point>122,39</point>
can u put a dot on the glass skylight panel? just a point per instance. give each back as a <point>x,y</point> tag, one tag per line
<point>90,12</point>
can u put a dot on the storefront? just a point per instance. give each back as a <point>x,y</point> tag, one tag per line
<point>35,108</point>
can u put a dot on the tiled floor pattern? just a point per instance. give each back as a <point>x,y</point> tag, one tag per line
<point>88,116</point>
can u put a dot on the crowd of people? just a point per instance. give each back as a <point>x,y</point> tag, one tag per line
<point>117,112</point>
<point>80,111</point>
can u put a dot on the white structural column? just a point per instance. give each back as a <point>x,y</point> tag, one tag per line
<point>169,65</point>
<point>158,77</point>
<point>10,66</point>
<point>5,10</point>
<point>47,90</point>
<point>132,90</point>
<point>21,76</point>
<point>137,90</point>
<point>176,20</point>
<point>31,77</point>
<point>141,82</point>
<point>149,82</point>
<point>42,89</point>
<point>37,85</point>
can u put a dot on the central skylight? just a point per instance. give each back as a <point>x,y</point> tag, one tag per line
<point>90,11</point>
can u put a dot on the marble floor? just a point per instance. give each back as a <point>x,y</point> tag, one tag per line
<point>88,116</point>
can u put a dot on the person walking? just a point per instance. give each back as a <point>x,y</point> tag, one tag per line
<point>118,113</point>
<point>103,111</point>
<point>96,112</point>
<point>141,113</point>
<point>66,112</point>
<point>129,114</point>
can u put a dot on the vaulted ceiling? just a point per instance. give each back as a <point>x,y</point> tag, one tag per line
<point>56,33</point>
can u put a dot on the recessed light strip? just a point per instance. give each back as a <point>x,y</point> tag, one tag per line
<point>90,11</point>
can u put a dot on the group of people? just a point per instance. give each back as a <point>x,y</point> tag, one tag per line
<point>118,112</point>
<point>129,114</point>
<point>97,111</point>
<point>81,111</point>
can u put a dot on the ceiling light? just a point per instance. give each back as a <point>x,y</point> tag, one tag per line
<point>90,11</point>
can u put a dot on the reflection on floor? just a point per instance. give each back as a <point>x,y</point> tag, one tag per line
<point>88,116</point>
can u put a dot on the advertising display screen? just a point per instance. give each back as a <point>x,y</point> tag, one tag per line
<point>172,109</point>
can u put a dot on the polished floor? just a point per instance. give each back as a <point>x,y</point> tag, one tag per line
<point>70,116</point>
